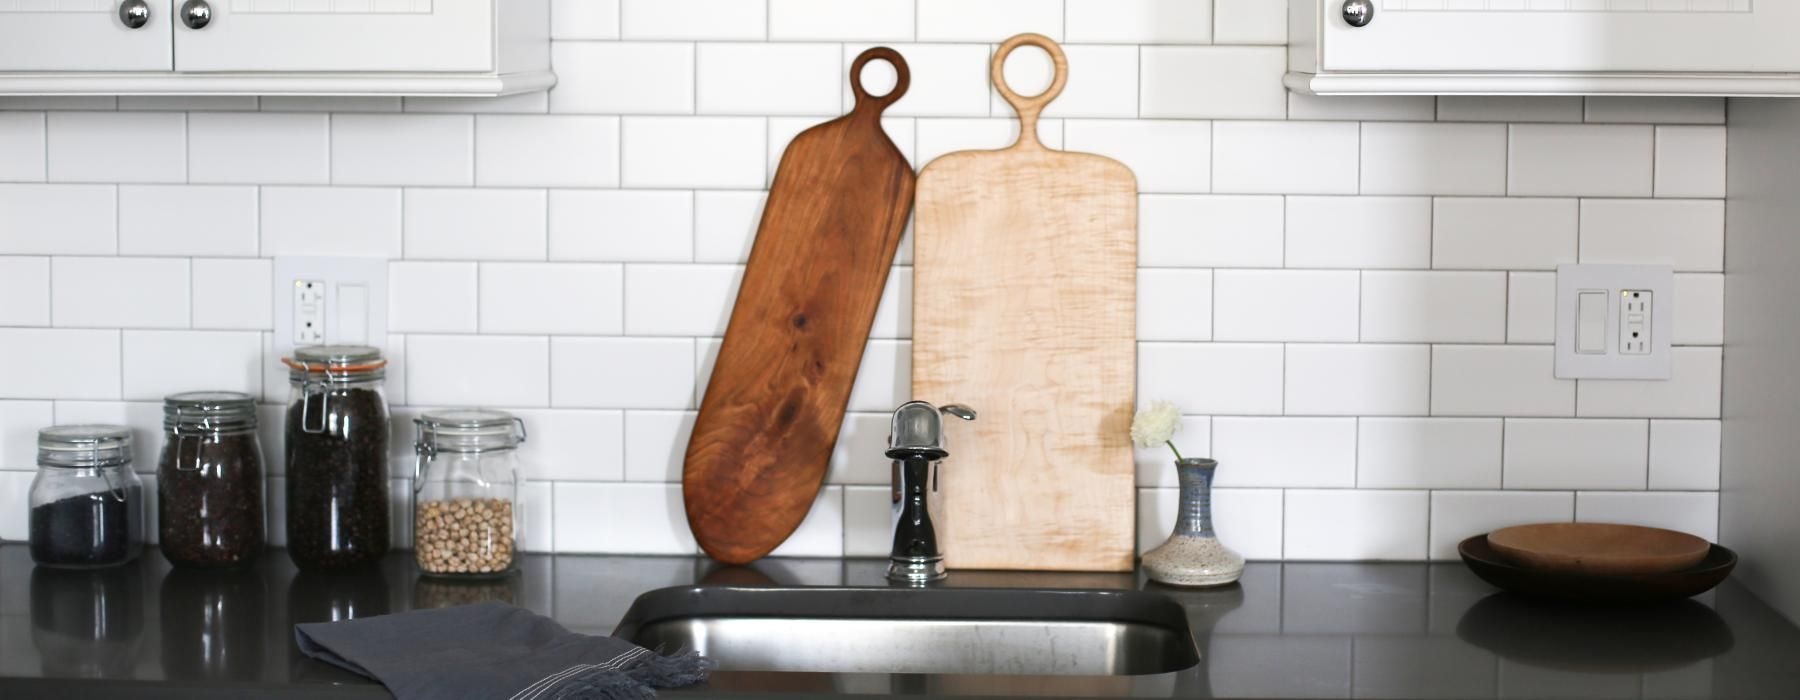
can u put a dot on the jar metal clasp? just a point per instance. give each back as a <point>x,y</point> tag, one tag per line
<point>307,387</point>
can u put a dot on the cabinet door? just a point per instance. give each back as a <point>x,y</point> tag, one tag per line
<point>340,35</point>
<point>1566,36</point>
<point>82,35</point>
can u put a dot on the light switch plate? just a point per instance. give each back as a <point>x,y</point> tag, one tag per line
<point>1630,339</point>
<point>354,306</point>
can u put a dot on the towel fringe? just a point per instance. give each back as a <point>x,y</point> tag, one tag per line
<point>637,681</point>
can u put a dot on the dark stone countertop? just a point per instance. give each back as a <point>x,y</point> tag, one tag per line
<point>1294,630</point>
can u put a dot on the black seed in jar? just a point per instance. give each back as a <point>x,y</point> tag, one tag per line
<point>211,516</point>
<point>88,530</point>
<point>337,488</point>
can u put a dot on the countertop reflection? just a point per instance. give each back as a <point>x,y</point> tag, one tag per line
<point>1286,631</point>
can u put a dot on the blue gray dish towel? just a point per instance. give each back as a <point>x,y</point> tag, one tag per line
<point>491,651</point>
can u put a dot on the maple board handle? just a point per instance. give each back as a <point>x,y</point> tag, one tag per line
<point>902,78</point>
<point>1029,107</point>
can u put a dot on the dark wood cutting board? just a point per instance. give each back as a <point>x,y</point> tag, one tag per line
<point>770,417</point>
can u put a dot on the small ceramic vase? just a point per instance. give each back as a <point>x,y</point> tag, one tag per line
<point>1193,555</point>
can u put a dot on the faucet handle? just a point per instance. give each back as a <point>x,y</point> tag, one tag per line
<point>959,410</point>
<point>917,427</point>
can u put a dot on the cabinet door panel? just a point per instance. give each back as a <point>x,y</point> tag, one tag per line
<point>1566,36</point>
<point>82,35</point>
<point>340,35</point>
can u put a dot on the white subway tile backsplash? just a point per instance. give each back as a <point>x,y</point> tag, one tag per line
<point>1433,307</point>
<point>1155,465</point>
<point>25,289</point>
<point>656,444</point>
<point>770,79</point>
<point>19,423</point>
<point>561,299</point>
<point>432,297</point>
<point>693,19</point>
<point>58,219</point>
<point>1351,380</point>
<point>478,224</point>
<point>1241,82</point>
<point>1694,513</point>
<point>834,20</point>
<point>570,445</point>
<point>1247,520</point>
<point>1691,391</point>
<point>1576,454</point>
<point>1428,453</point>
<point>1494,108</point>
<point>1402,158</point>
<point>159,363</point>
<point>622,78</point>
<point>583,19</point>
<point>1687,234</point>
<point>142,418</point>
<point>1174,304</point>
<point>1341,525</point>
<point>22,156</point>
<point>403,149</point>
<point>1684,455</point>
<point>1690,161</point>
<point>884,378</point>
<point>233,294</point>
<point>1249,22</point>
<point>821,534</point>
<point>467,370</point>
<point>1209,231</point>
<point>622,518</point>
<point>1212,378</point>
<point>1458,515</point>
<point>259,148</point>
<point>725,225</point>
<point>1492,233</point>
<point>858,457</point>
<point>651,373</point>
<point>1105,87</point>
<point>1140,21</point>
<point>1359,232</point>
<point>679,300</point>
<point>622,225</point>
<point>868,525</point>
<point>1699,309</point>
<point>1656,110</point>
<point>694,152</point>
<point>893,316</point>
<point>1285,452</point>
<point>1166,156</point>
<point>198,220</point>
<point>1499,380</point>
<point>546,151</point>
<point>117,146</point>
<point>1285,305</point>
<point>1587,160</point>
<point>1283,158</point>
<point>119,292</point>
<point>1531,307</point>
<point>948,80</point>
<point>344,221</point>
<point>15,523</point>
<point>989,21</point>
<point>1377,108</point>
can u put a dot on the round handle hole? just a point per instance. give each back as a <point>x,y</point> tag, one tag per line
<point>1029,71</point>
<point>879,77</point>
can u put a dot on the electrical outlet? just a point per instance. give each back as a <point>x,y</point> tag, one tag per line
<point>1612,321</point>
<point>309,312</point>
<point>329,301</point>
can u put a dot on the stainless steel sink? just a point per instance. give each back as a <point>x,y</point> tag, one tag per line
<point>917,631</point>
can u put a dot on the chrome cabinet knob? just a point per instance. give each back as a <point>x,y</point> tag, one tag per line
<point>1359,13</point>
<point>134,13</point>
<point>196,14</point>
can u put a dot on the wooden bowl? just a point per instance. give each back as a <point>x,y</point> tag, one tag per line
<point>1593,588</point>
<point>1598,548</point>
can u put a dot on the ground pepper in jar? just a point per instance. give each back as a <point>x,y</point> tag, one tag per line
<point>337,458</point>
<point>210,480</point>
<point>86,504</point>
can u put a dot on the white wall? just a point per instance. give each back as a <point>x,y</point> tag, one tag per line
<point>1350,295</point>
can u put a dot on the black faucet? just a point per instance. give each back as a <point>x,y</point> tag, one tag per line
<point>916,444</point>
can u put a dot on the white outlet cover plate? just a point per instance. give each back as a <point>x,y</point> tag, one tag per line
<point>370,273</point>
<point>1572,280</point>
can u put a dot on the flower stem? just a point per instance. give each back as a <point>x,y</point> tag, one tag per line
<point>1171,445</point>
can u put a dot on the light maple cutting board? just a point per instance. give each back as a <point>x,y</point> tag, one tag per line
<point>1024,301</point>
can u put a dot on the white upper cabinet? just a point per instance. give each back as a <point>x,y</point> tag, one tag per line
<point>1545,46</point>
<point>315,47</point>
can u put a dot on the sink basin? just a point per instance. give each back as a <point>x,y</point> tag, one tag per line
<point>950,631</point>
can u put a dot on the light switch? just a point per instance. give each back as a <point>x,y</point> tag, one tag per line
<point>1590,330</point>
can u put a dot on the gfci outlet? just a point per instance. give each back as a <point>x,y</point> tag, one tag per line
<point>320,301</point>
<point>1614,321</point>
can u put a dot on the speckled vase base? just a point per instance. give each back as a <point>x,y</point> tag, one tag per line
<point>1193,555</point>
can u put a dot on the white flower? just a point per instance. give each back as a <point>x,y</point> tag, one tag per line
<point>1156,424</point>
